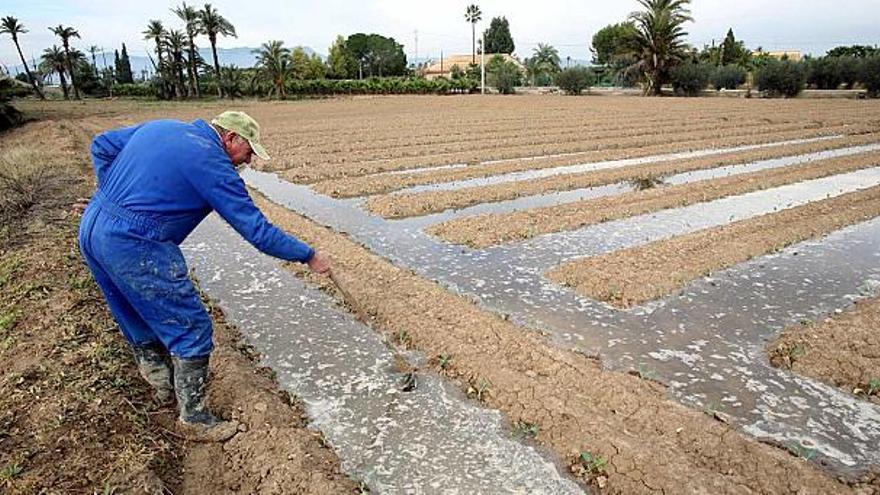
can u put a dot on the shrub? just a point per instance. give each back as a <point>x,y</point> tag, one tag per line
<point>573,81</point>
<point>728,77</point>
<point>781,78</point>
<point>869,75</point>
<point>689,79</point>
<point>134,89</point>
<point>503,75</point>
<point>9,115</point>
<point>22,178</point>
<point>822,73</point>
<point>848,68</point>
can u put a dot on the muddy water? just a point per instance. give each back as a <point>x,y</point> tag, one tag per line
<point>593,166</point>
<point>705,343</point>
<point>429,440</point>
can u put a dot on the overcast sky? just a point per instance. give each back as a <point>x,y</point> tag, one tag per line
<point>812,26</point>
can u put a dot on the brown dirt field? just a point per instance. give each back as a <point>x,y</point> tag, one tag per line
<point>487,230</point>
<point>631,276</point>
<point>383,183</point>
<point>843,351</point>
<point>75,417</point>
<point>403,205</point>
<point>651,443</point>
<point>669,140</point>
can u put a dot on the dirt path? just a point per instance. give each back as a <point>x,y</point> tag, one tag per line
<point>75,417</point>
<point>617,431</point>
<point>632,276</point>
<point>487,230</point>
<point>843,350</point>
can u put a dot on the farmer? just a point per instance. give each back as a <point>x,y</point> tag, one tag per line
<point>156,182</point>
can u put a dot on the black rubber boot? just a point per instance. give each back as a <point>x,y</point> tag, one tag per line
<point>154,364</point>
<point>190,385</point>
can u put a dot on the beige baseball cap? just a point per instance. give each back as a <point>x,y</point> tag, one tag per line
<point>245,126</point>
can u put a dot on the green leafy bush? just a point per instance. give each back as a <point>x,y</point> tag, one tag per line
<point>781,78</point>
<point>503,75</point>
<point>573,81</point>
<point>728,77</point>
<point>134,89</point>
<point>870,75</point>
<point>822,73</point>
<point>689,79</point>
<point>10,88</point>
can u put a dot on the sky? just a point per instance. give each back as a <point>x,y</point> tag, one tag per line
<point>812,26</point>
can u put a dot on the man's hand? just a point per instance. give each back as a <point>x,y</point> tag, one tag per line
<point>319,263</point>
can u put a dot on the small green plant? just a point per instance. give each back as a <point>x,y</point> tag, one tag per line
<point>9,472</point>
<point>7,320</point>
<point>712,407</point>
<point>404,339</point>
<point>645,183</point>
<point>593,463</point>
<point>805,322</point>
<point>524,429</point>
<point>480,389</point>
<point>445,361</point>
<point>647,374</point>
<point>796,351</point>
<point>874,386</point>
<point>801,451</point>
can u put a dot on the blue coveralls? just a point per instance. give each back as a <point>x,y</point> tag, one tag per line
<point>156,182</point>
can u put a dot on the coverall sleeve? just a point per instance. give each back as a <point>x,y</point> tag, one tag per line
<point>106,146</point>
<point>225,191</point>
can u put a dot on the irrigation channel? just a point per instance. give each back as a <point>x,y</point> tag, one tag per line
<point>706,343</point>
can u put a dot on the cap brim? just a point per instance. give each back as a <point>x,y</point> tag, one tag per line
<point>259,150</point>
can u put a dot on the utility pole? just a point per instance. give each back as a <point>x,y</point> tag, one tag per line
<point>441,62</point>
<point>416,57</point>
<point>483,65</point>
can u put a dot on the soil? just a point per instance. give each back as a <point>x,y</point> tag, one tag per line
<point>486,230</point>
<point>523,157</point>
<point>75,416</point>
<point>632,276</point>
<point>387,182</point>
<point>843,350</point>
<point>650,442</point>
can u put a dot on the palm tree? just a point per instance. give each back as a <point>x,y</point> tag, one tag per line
<point>274,65</point>
<point>156,31</point>
<point>212,24</point>
<point>176,42</point>
<point>473,15</point>
<point>54,60</point>
<point>65,33</point>
<point>544,63</point>
<point>12,27</point>
<point>93,50</point>
<point>193,28</point>
<point>659,40</point>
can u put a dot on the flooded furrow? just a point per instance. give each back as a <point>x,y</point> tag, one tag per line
<point>706,344</point>
<point>594,166</point>
<point>429,440</point>
<point>583,194</point>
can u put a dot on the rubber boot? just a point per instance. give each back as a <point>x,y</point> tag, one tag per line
<point>155,367</point>
<point>190,385</point>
